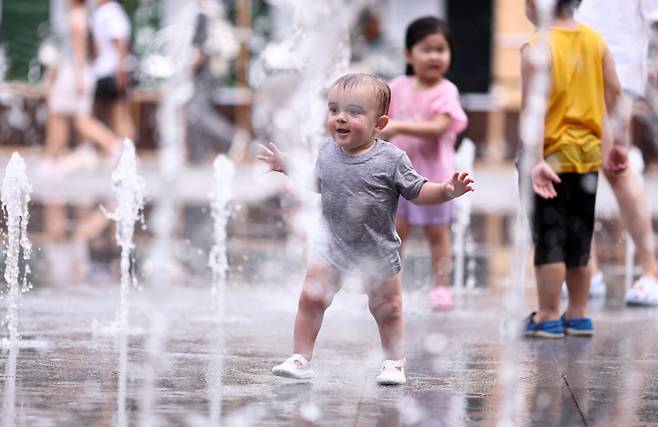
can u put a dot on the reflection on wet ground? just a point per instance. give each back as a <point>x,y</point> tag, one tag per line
<point>72,375</point>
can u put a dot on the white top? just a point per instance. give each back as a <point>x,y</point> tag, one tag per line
<point>109,22</point>
<point>625,27</point>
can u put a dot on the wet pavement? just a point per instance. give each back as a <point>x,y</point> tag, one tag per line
<point>67,368</point>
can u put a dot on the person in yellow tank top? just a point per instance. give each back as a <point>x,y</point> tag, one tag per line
<point>583,87</point>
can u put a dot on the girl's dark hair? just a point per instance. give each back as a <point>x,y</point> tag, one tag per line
<point>566,5</point>
<point>423,27</point>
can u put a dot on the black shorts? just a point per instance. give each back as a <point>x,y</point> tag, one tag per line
<point>107,90</point>
<point>562,227</point>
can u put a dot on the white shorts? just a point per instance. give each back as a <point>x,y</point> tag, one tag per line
<point>64,98</point>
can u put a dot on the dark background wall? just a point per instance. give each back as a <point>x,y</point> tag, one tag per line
<point>471,26</point>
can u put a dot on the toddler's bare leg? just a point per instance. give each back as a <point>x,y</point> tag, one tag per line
<point>385,303</point>
<point>320,286</point>
<point>549,283</point>
<point>578,281</point>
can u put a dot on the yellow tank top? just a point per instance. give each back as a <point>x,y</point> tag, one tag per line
<point>573,126</point>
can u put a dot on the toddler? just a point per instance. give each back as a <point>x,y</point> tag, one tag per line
<point>360,179</point>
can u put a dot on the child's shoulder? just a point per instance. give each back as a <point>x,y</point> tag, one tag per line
<point>400,81</point>
<point>389,150</point>
<point>448,86</point>
<point>327,144</point>
<point>591,32</point>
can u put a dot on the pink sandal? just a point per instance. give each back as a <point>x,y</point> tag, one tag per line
<point>441,298</point>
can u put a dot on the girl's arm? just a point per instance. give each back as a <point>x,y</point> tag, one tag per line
<point>79,42</point>
<point>121,45</point>
<point>428,129</point>
<point>432,193</point>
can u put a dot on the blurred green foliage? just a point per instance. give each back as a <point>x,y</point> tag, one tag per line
<point>21,30</point>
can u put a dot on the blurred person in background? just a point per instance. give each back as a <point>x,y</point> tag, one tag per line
<point>425,119</point>
<point>574,144</point>
<point>110,28</point>
<point>372,51</point>
<point>71,88</point>
<point>626,28</point>
<point>208,131</point>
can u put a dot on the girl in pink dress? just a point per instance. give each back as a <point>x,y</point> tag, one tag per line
<point>426,118</point>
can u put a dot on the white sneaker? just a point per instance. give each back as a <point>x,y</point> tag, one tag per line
<point>643,292</point>
<point>296,366</point>
<point>392,373</point>
<point>597,287</point>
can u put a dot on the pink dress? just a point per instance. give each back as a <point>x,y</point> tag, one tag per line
<point>433,159</point>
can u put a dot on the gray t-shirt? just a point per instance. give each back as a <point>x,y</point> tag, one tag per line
<point>359,200</point>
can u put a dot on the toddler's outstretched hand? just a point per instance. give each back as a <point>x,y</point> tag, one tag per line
<point>272,156</point>
<point>543,177</point>
<point>460,184</point>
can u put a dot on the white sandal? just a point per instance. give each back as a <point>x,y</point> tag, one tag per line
<point>296,366</point>
<point>392,373</point>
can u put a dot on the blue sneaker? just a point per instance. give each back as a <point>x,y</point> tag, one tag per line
<point>547,329</point>
<point>581,326</point>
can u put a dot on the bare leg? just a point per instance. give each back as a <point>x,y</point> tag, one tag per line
<point>594,258</point>
<point>636,217</point>
<point>320,286</point>
<point>93,129</point>
<point>91,226</point>
<point>549,283</point>
<point>385,303</point>
<point>122,123</point>
<point>55,222</point>
<point>578,281</point>
<point>403,227</point>
<point>438,237</point>
<point>57,135</point>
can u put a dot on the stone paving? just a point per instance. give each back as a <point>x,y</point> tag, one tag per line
<point>67,368</point>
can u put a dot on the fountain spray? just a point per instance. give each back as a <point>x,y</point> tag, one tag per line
<point>464,159</point>
<point>223,174</point>
<point>15,198</point>
<point>129,187</point>
<point>532,121</point>
<point>172,63</point>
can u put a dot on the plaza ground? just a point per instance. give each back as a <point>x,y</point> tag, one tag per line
<point>67,370</point>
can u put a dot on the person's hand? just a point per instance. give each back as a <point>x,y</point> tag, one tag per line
<point>543,177</point>
<point>459,184</point>
<point>616,161</point>
<point>273,157</point>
